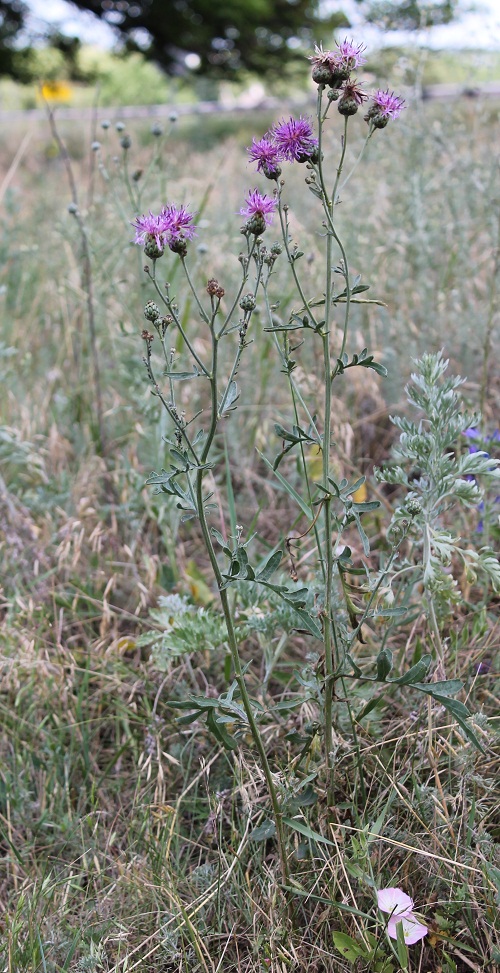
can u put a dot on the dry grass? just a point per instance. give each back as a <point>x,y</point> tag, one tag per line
<point>126,839</point>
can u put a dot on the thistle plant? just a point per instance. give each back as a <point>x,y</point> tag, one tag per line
<point>327,512</point>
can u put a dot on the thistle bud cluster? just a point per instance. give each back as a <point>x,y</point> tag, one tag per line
<point>333,69</point>
<point>214,289</point>
<point>151,311</point>
<point>248,302</point>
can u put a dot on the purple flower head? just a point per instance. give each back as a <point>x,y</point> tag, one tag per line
<point>294,139</point>
<point>177,222</point>
<point>265,153</point>
<point>348,56</point>
<point>473,434</point>
<point>259,206</point>
<point>320,57</point>
<point>387,104</point>
<point>147,227</point>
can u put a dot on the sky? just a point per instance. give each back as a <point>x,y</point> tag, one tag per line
<point>479,28</point>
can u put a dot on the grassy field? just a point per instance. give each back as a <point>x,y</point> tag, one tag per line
<point>130,841</point>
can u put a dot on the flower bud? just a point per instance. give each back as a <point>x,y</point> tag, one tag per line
<point>95,146</point>
<point>322,73</point>
<point>347,106</point>
<point>126,142</point>
<point>256,224</point>
<point>157,130</point>
<point>178,245</point>
<point>248,302</point>
<point>120,126</point>
<point>151,248</point>
<point>380,121</point>
<point>105,124</point>
<point>271,172</point>
<point>414,507</point>
<point>151,311</point>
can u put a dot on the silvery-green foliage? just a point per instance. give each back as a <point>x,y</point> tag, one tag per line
<point>94,960</point>
<point>182,629</point>
<point>440,478</point>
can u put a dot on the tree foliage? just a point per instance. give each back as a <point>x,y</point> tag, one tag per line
<point>227,36</point>
<point>408,14</point>
<point>12,20</point>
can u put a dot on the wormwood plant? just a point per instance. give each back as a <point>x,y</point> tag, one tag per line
<point>329,512</point>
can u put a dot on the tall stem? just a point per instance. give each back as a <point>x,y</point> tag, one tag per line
<point>226,608</point>
<point>247,705</point>
<point>328,630</point>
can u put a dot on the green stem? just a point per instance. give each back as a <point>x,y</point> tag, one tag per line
<point>341,162</point>
<point>291,261</point>
<point>178,324</point>
<point>356,164</point>
<point>192,288</point>
<point>430,601</point>
<point>229,316</point>
<point>247,705</point>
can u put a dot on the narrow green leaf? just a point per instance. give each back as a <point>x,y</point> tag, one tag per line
<point>289,489</point>
<point>449,687</point>
<point>417,672</point>
<point>308,622</point>
<point>180,376</point>
<point>384,664</point>
<point>307,832</point>
<point>220,733</point>
<point>371,705</point>
<point>364,538</point>
<point>231,395</point>
<point>401,946</point>
<point>269,567</point>
<point>354,487</point>
<point>320,898</point>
